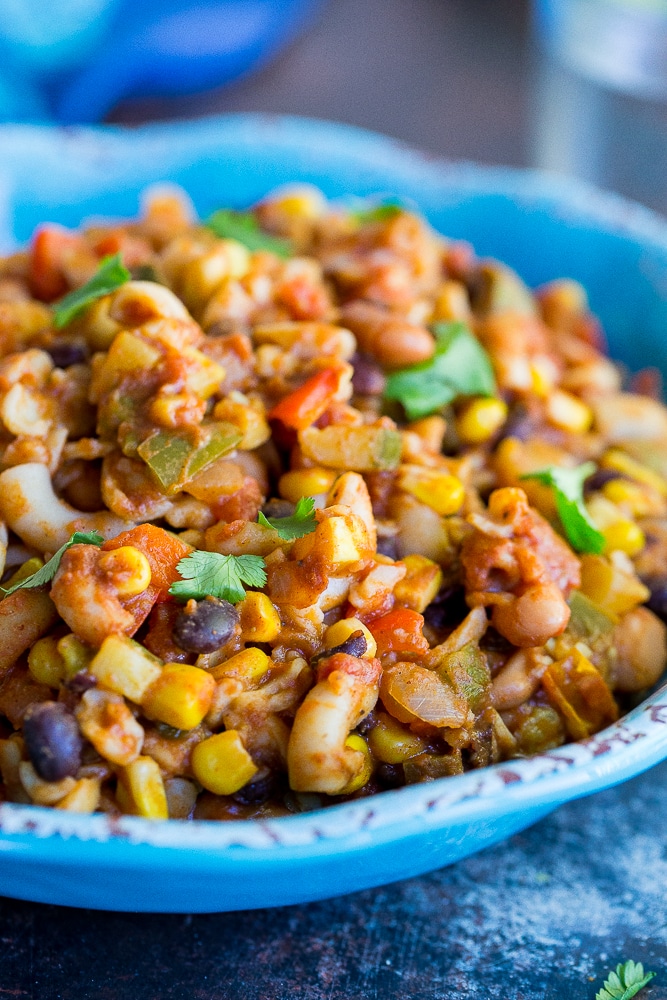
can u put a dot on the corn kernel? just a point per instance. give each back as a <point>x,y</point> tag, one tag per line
<point>619,461</point>
<point>222,764</point>
<point>356,742</point>
<point>76,655</point>
<point>303,202</point>
<point>169,411</point>
<point>250,664</point>
<point>83,798</point>
<point>420,584</point>
<point>125,667</point>
<point>202,276</point>
<point>127,354</point>
<point>260,621</point>
<point>611,587</point>
<point>431,430</point>
<point>452,302</point>
<point>27,568</point>
<point>628,496</point>
<point>542,376</point>
<point>141,791</point>
<point>246,417</point>
<point>181,696</point>
<point>45,662</point>
<point>562,297</point>
<point>305,483</point>
<point>619,531</point>
<point>568,413</point>
<point>440,491</point>
<point>335,541</point>
<point>393,743</point>
<point>624,535</point>
<point>129,569</point>
<point>204,376</point>
<point>340,632</point>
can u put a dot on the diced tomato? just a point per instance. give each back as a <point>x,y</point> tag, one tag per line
<point>304,299</point>
<point>302,407</point>
<point>367,671</point>
<point>133,249</point>
<point>141,606</point>
<point>400,631</point>
<point>50,246</point>
<point>163,551</point>
<point>647,382</point>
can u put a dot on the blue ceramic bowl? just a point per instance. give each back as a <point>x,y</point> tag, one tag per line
<point>545,227</point>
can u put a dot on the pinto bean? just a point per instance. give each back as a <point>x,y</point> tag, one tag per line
<point>531,619</point>
<point>389,339</point>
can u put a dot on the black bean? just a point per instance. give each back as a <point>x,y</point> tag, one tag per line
<point>388,546</point>
<point>52,739</point>
<point>448,609</point>
<point>368,378</point>
<point>278,508</point>
<point>495,641</point>
<point>657,602</point>
<point>255,793</point>
<point>390,775</point>
<point>600,478</point>
<point>354,645</point>
<point>519,424</point>
<point>367,723</point>
<point>204,626</point>
<point>66,352</point>
<point>81,681</point>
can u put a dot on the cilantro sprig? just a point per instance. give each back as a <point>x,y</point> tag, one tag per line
<point>623,984</point>
<point>568,491</point>
<point>298,524</point>
<point>244,227</point>
<point>381,211</point>
<point>209,574</point>
<point>110,275</point>
<point>459,367</point>
<point>50,568</point>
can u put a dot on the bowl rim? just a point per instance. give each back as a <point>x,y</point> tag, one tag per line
<point>633,744</point>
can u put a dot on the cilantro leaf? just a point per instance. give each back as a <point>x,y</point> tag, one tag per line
<point>110,275</point>
<point>244,227</point>
<point>625,983</point>
<point>459,367</point>
<point>210,574</point>
<point>568,488</point>
<point>49,569</point>
<point>382,211</point>
<point>300,523</point>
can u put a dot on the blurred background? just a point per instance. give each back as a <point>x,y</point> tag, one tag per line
<point>574,86</point>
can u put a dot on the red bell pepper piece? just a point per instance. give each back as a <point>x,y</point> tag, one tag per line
<point>302,407</point>
<point>399,631</point>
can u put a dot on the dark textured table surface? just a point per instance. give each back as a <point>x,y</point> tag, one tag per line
<point>541,917</point>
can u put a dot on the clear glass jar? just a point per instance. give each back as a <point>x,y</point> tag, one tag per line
<point>600,109</point>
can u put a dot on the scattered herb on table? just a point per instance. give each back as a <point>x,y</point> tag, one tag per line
<point>625,983</point>
<point>568,490</point>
